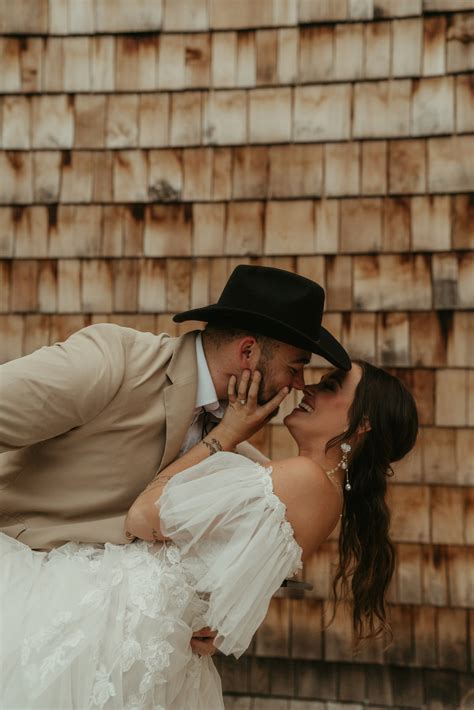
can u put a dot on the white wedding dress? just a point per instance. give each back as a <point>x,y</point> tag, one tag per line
<point>94,626</point>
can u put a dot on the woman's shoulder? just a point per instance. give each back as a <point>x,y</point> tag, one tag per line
<point>313,504</point>
<point>303,471</point>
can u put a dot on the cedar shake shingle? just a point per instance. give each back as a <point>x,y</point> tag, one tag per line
<point>168,230</point>
<point>178,284</point>
<point>341,169</point>
<point>69,286</point>
<point>31,64</point>
<point>407,40</point>
<point>16,177</point>
<point>225,118</point>
<point>121,128</point>
<point>185,118</point>
<point>77,70</point>
<point>267,56</point>
<point>197,60</point>
<point>12,329</point>
<point>185,15</point>
<point>287,55</point>
<point>31,232</point>
<point>244,228</point>
<point>126,274</point>
<point>47,286</point>
<point>373,168</point>
<point>359,334</point>
<point>431,223</point>
<point>349,51</point>
<point>465,103</point>
<point>103,63</point>
<point>90,119</point>
<point>208,229</point>
<point>407,166</point>
<point>433,61</point>
<point>224,59</point>
<point>153,120</point>
<point>270,115</point>
<point>432,106</point>
<point>197,170</point>
<point>381,109</point>
<point>377,55</point>
<point>322,112</point>
<point>123,16</point>
<point>294,171</point>
<point>460,48</point>
<point>53,121</point>
<point>16,123</point>
<point>152,285</point>
<point>165,175</point>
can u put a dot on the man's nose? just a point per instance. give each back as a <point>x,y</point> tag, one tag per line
<point>298,381</point>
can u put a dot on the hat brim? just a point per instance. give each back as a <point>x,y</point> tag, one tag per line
<point>326,345</point>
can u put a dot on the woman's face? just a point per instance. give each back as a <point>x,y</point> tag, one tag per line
<point>324,408</point>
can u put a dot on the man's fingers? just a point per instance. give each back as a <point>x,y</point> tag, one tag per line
<point>206,631</point>
<point>204,648</point>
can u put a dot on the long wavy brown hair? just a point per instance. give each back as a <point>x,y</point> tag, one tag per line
<point>366,553</point>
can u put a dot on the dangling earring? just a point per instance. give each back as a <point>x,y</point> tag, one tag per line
<point>344,464</point>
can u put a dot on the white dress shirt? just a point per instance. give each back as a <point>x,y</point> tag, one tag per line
<point>206,400</point>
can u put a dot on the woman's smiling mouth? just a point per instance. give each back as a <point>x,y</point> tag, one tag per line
<point>305,407</point>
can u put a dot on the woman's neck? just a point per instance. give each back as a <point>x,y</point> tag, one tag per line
<point>328,460</point>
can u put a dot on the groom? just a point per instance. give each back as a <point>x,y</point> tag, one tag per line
<point>86,424</point>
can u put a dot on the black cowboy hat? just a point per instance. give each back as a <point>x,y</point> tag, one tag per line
<point>276,303</point>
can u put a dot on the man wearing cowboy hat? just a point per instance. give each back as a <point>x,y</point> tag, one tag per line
<point>86,424</point>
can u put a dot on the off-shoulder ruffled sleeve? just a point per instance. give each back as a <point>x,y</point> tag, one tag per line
<point>233,537</point>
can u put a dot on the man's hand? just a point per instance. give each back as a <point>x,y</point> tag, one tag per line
<point>202,642</point>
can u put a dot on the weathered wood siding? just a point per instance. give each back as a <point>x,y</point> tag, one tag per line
<point>149,146</point>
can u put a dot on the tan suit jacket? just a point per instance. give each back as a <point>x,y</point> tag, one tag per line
<point>85,425</point>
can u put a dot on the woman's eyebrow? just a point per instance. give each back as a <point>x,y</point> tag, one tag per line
<point>339,375</point>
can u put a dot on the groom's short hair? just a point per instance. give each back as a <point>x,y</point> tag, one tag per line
<point>220,335</point>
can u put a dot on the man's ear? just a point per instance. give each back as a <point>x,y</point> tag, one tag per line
<point>364,427</point>
<point>249,352</point>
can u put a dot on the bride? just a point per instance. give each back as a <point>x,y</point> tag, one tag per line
<point>212,539</point>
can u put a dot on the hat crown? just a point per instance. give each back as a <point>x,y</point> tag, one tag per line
<point>275,303</point>
<point>276,294</point>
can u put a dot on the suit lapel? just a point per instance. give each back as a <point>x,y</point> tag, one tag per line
<point>180,396</point>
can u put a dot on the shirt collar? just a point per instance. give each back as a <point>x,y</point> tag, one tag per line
<point>206,395</point>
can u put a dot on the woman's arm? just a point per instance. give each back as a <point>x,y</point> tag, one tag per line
<point>239,423</point>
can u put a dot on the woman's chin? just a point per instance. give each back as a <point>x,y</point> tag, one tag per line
<point>291,417</point>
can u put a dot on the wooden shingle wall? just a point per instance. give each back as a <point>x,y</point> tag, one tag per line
<point>148,147</point>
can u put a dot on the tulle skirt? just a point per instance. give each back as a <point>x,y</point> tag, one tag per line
<point>87,626</point>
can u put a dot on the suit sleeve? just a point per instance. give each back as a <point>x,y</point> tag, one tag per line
<point>61,386</point>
